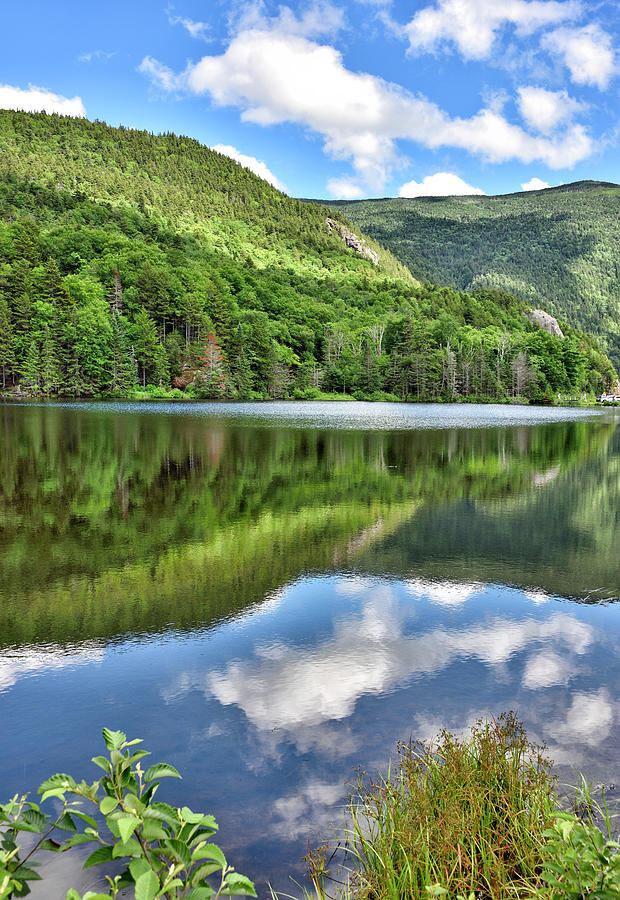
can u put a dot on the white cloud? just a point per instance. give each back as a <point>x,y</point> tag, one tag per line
<point>276,76</point>
<point>345,189</point>
<point>250,162</point>
<point>162,76</point>
<point>96,54</point>
<point>544,110</point>
<point>193,28</point>
<point>473,25</point>
<point>441,184</point>
<point>37,99</point>
<point>587,53</point>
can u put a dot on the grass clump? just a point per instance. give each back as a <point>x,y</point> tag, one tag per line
<point>474,817</point>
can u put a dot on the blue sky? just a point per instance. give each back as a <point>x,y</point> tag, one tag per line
<point>363,98</point>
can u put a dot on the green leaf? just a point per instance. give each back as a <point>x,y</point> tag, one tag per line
<point>84,817</point>
<point>204,892</point>
<point>72,894</point>
<point>240,885</point>
<point>103,762</point>
<point>204,871</point>
<point>25,873</point>
<point>113,739</point>
<point>126,848</point>
<point>153,831</point>
<point>77,839</point>
<point>36,818</point>
<point>127,824</point>
<point>66,823</point>
<point>436,890</point>
<point>138,867</point>
<point>181,851</point>
<point>162,811</point>
<point>107,805</point>
<point>101,855</point>
<point>211,851</point>
<point>62,781</point>
<point>147,886</point>
<point>160,770</point>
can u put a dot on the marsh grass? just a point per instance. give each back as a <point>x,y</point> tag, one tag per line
<point>472,817</point>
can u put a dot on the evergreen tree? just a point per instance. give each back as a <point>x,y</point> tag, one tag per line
<point>32,370</point>
<point>7,351</point>
<point>146,342</point>
<point>50,368</point>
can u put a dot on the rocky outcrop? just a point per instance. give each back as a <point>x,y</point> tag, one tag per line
<point>545,321</point>
<point>352,240</point>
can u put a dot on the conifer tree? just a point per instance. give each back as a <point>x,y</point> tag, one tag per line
<point>7,352</point>
<point>32,368</point>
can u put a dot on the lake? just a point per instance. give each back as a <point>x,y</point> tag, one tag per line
<point>272,595</point>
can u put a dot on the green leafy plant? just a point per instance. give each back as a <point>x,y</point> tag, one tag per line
<point>164,852</point>
<point>581,861</point>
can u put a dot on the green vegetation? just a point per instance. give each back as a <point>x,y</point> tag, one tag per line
<point>555,248</point>
<point>135,265</point>
<point>474,817</point>
<point>139,520</point>
<point>163,852</point>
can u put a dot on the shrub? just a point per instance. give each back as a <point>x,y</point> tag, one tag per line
<point>165,852</point>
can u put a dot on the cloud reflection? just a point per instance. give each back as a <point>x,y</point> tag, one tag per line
<point>292,688</point>
<point>24,661</point>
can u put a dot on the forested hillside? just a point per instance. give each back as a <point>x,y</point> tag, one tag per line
<point>134,264</point>
<point>559,248</point>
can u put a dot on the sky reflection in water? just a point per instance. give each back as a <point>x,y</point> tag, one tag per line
<point>412,583</point>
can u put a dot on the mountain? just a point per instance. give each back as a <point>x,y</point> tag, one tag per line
<point>557,247</point>
<point>131,263</point>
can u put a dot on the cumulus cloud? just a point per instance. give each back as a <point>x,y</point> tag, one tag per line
<point>587,53</point>
<point>38,99</point>
<point>473,25</point>
<point>250,162</point>
<point>441,184</point>
<point>276,75</point>
<point>297,689</point>
<point>544,110</point>
<point>345,188</point>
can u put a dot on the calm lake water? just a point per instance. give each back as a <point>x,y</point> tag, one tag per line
<point>272,595</point>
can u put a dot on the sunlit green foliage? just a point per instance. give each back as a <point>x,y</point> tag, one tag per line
<point>557,248</point>
<point>120,252</point>
<point>161,851</point>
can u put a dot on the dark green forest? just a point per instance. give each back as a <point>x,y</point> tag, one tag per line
<point>557,248</point>
<point>138,265</point>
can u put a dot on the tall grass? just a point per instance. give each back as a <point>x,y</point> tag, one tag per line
<point>473,817</point>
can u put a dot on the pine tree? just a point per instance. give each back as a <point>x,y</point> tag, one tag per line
<point>32,368</point>
<point>51,378</point>
<point>7,351</point>
<point>124,371</point>
<point>212,380</point>
<point>116,294</point>
<point>146,342</point>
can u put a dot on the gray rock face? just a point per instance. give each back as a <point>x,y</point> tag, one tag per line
<point>353,241</point>
<point>545,321</point>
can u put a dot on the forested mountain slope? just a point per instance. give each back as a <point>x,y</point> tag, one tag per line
<point>129,260</point>
<point>559,247</point>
